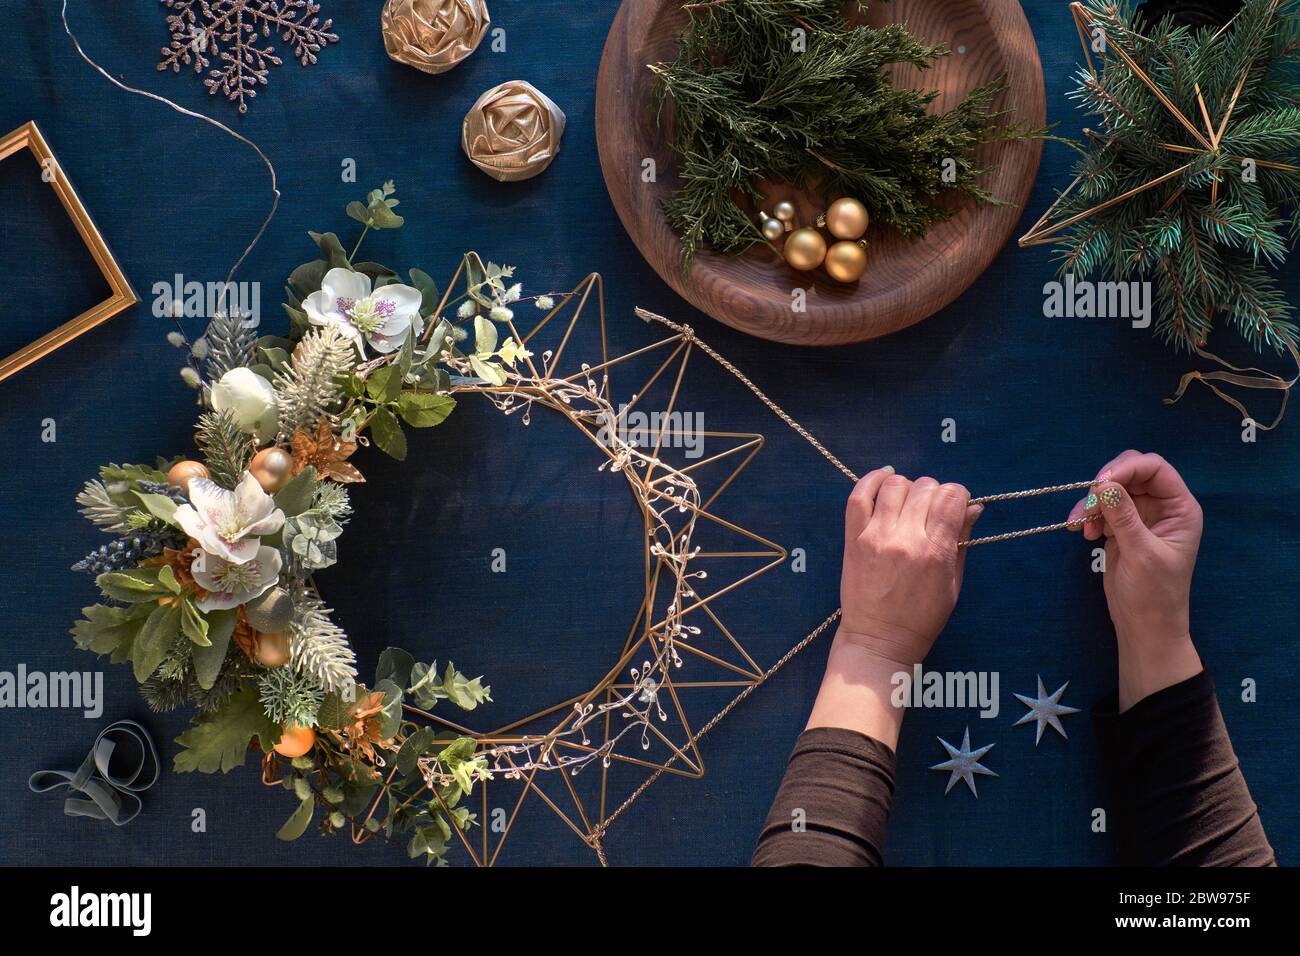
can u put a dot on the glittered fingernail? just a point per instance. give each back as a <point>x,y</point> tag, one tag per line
<point>1090,501</point>
<point>888,468</point>
<point>1111,497</point>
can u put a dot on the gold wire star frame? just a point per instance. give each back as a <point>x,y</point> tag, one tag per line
<point>677,644</point>
<point>29,137</point>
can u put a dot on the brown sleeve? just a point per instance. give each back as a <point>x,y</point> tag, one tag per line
<point>833,802</point>
<point>1179,798</point>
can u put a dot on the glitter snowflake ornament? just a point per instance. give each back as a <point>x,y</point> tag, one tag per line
<point>232,33</point>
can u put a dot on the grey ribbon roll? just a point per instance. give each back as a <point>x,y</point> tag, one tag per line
<point>102,794</point>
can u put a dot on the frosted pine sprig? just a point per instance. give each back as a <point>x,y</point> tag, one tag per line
<point>230,345</point>
<point>308,387</point>
<point>289,697</point>
<point>98,508</point>
<point>319,648</point>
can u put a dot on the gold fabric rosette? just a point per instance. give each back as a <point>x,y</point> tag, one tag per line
<point>512,131</point>
<point>433,35</point>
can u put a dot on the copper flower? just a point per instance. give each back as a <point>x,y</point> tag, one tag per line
<point>433,35</point>
<point>364,732</point>
<point>513,131</point>
<point>326,452</point>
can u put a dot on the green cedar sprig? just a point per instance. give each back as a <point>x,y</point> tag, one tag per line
<point>797,92</point>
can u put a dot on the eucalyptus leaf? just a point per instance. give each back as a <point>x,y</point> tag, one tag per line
<point>395,665</point>
<point>297,824</point>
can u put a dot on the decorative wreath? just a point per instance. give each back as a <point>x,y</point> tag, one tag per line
<point>208,583</point>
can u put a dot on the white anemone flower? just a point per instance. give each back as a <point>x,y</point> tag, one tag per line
<point>383,317</point>
<point>229,584</point>
<point>227,524</point>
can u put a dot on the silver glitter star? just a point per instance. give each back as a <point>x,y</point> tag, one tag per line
<point>1047,711</point>
<point>963,763</point>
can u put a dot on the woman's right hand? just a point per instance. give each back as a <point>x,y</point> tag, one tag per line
<point>1152,526</point>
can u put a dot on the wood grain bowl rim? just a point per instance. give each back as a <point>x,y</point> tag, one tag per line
<point>824,323</point>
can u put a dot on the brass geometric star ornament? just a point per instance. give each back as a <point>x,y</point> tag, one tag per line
<point>1046,711</point>
<point>963,763</point>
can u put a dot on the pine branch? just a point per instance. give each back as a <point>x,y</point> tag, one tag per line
<point>311,384</point>
<point>230,345</point>
<point>1209,237</point>
<point>226,450</point>
<point>319,648</point>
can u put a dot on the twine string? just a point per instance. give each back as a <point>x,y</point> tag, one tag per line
<point>275,203</point>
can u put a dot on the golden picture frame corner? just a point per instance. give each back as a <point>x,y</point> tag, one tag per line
<point>28,137</point>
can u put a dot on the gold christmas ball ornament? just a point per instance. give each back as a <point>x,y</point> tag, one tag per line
<point>513,131</point>
<point>272,467</point>
<point>784,211</point>
<point>270,612</point>
<point>273,649</point>
<point>846,261</point>
<point>433,35</point>
<point>847,219</point>
<point>295,741</point>
<point>805,249</point>
<point>772,229</point>
<point>183,472</point>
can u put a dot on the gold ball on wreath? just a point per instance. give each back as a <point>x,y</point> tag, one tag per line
<point>183,472</point>
<point>295,741</point>
<point>272,467</point>
<point>805,249</point>
<point>273,649</point>
<point>784,211</point>
<point>847,219</point>
<point>846,261</point>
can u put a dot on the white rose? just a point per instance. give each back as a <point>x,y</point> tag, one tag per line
<point>250,399</point>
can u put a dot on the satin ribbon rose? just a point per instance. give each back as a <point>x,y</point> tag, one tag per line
<point>433,35</point>
<point>513,131</point>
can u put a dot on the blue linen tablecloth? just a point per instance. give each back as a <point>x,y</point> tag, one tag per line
<point>1036,401</point>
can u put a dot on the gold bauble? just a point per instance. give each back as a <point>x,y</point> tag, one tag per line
<point>846,261</point>
<point>183,472</point>
<point>784,211</point>
<point>805,249</point>
<point>295,741</point>
<point>272,467</point>
<point>273,649</point>
<point>847,219</point>
<point>772,229</point>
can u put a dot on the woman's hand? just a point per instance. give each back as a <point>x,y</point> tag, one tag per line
<point>902,567</point>
<point>902,574</point>
<point>1152,526</point>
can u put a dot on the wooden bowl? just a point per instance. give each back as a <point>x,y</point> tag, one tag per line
<point>905,282</point>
